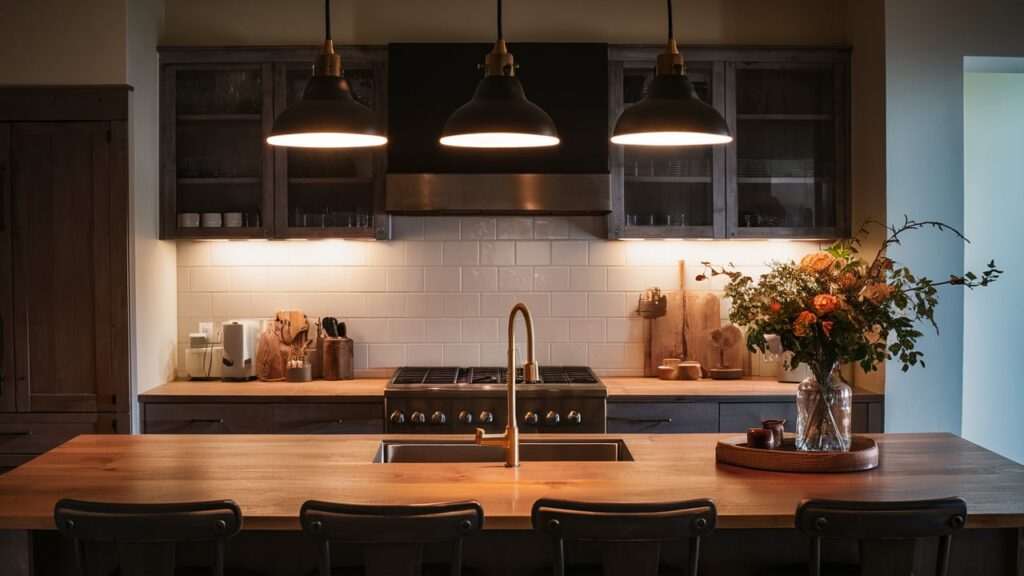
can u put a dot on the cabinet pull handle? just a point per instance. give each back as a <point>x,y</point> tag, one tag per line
<point>17,433</point>
<point>642,420</point>
<point>207,420</point>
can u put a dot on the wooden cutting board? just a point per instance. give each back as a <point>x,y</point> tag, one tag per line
<point>684,332</point>
<point>667,332</point>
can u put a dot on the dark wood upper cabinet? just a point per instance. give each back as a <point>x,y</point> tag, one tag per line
<point>7,371</point>
<point>785,175</point>
<point>217,107</point>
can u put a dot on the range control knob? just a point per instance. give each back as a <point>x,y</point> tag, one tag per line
<point>438,418</point>
<point>397,418</point>
<point>418,418</point>
<point>486,417</point>
<point>574,418</point>
<point>531,418</point>
<point>465,417</point>
<point>552,418</point>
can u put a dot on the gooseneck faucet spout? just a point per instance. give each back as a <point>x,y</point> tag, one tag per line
<point>510,439</point>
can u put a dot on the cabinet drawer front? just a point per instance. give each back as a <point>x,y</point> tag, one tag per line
<point>38,437</point>
<point>662,417</point>
<point>209,418</point>
<point>737,417</point>
<point>355,418</point>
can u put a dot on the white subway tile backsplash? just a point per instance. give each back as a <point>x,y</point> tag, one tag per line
<point>569,354</point>
<point>551,329</point>
<point>571,253</point>
<point>606,356</point>
<point>346,305</point>
<point>250,254</point>
<point>497,304</point>
<point>588,278</point>
<point>266,304</point>
<point>634,355</point>
<point>424,305</point>
<point>327,253</point>
<point>424,253</point>
<point>461,305</point>
<point>588,227</point>
<point>569,304</point>
<point>210,280</point>
<point>626,278</point>
<point>497,253</point>
<point>461,253</point>
<point>360,355</point>
<point>462,354</point>
<point>625,329</point>
<point>233,305</point>
<point>442,330</point>
<point>533,253</point>
<point>367,329</point>
<point>479,279</point>
<point>288,278</point>
<point>385,254</point>
<point>607,304</point>
<point>248,279</point>
<point>367,280</point>
<point>405,279</point>
<point>478,228</point>
<point>515,228</point>
<point>387,355</point>
<point>327,279</point>
<point>312,303</point>
<point>515,279</point>
<point>405,330</point>
<point>442,228</point>
<point>191,253</point>
<point>551,278</point>
<point>385,305</point>
<point>550,228</point>
<point>664,277</point>
<point>494,354</point>
<point>480,330</point>
<point>607,253</point>
<point>407,227</point>
<point>424,354</point>
<point>199,305</point>
<point>183,283</point>
<point>587,330</point>
<point>442,279</point>
<point>539,304</point>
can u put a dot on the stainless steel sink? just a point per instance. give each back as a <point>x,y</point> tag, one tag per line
<point>410,451</point>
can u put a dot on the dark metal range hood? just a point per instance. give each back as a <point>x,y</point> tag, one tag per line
<point>427,82</point>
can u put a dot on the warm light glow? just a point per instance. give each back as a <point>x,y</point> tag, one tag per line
<point>670,139</point>
<point>327,140</point>
<point>499,140</point>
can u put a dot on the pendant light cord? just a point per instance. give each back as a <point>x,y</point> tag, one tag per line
<point>501,31</point>
<point>670,33</point>
<point>327,19</point>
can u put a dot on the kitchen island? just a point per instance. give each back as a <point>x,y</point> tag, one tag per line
<point>271,475</point>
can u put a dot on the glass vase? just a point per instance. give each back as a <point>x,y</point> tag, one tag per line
<point>824,405</point>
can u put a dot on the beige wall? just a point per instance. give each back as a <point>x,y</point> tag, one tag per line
<point>62,42</point>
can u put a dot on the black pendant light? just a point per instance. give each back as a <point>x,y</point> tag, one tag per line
<point>327,116</point>
<point>499,115</point>
<point>671,113</point>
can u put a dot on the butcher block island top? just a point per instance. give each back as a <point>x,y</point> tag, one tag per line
<point>271,476</point>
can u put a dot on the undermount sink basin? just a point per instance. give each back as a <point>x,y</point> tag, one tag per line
<point>398,452</point>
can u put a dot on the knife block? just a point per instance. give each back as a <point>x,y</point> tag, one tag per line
<point>338,358</point>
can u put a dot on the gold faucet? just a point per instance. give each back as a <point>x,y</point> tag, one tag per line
<point>510,439</point>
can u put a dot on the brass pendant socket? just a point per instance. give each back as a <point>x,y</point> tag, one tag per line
<point>327,63</point>
<point>499,62</point>
<point>670,61</point>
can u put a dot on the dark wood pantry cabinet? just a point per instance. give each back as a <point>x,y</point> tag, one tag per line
<point>217,106</point>
<point>64,310</point>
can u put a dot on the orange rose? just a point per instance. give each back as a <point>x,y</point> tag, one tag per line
<point>826,327</point>
<point>847,280</point>
<point>877,293</point>
<point>817,261</point>
<point>803,321</point>
<point>825,303</point>
<point>775,307</point>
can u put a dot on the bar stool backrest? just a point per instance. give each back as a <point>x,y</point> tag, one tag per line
<point>392,536</point>
<point>146,534</point>
<point>631,534</point>
<point>906,520</point>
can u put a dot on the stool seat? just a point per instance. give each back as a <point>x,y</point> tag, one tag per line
<point>804,570</point>
<point>202,571</point>
<point>428,570</point>
<point>598,570</point>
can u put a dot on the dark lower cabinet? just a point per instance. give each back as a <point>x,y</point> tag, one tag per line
<point>263,418</point>
<point>737,417</point>
<point>347,418</point>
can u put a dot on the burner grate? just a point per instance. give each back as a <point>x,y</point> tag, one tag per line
<point>416,375</point>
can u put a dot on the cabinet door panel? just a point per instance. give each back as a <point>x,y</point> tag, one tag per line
<point>662,417</point>
<point>737,417</point>
<point>361,418</point>
<point>64,288</point>
<point>7,373</point>
<point>209,418</point>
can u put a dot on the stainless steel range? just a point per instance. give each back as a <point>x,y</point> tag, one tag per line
<point>447,400</point>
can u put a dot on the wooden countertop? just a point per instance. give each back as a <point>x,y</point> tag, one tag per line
<point>270,477</point>
<point>621,389</point>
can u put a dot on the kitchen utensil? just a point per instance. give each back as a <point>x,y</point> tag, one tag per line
<point>330,326</point>
<point>188,220</point>
<point>211,220</point>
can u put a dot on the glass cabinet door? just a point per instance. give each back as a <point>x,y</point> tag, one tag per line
<point>666,192</point>
<point>216,161</point>
<point>790,131</point>
<point>331,192</point>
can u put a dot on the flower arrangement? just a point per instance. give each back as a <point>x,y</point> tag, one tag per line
<point>833,307</point>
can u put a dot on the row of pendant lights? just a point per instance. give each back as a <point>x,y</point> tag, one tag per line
<point>499,115</point>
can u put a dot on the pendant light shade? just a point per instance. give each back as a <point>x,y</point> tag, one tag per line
<point>499,115</point>
<point>671,113</point>
<point>327,116</point>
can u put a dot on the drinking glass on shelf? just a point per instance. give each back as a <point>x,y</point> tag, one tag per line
<point>631,219</point>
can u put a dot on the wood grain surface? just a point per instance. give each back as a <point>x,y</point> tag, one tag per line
<point>270,477</point>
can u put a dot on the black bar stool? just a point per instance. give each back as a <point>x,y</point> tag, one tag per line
<point>631,534</point>
<point>875,521</point>
<point>146,534</point>
<point>392,537</point>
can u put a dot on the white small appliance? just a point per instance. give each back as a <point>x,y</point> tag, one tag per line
<point>240,340</point>
<point>203,358</point>
<point>794,374</point>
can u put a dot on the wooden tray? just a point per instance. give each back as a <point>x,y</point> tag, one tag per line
<point>863,455</point>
